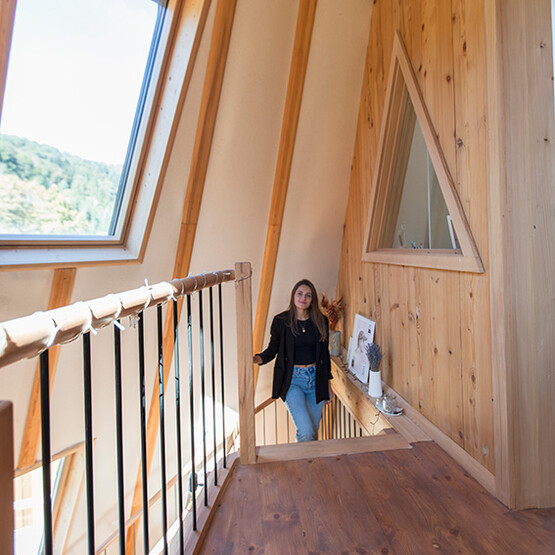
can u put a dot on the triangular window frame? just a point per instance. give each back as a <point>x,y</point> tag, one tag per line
<point>387,186</point>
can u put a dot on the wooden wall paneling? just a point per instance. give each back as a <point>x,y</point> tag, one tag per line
<point>503,390</point>
<point>60,295</point>
<point>477,387</point>
<point>527,244</point>
<point>433,53</point>
<point>402,373</point>
<point>440,352</point>
<point>521,205</point>
<point>217,57</point>
<point>295,86</point>
<point>471,173</point>
<point>445,314</point>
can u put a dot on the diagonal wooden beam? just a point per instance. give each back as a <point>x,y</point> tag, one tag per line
<point>221,35</point>
<point>60,295</point>
<point>297,73</point>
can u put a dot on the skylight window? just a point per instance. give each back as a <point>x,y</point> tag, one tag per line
<point>75,93</point>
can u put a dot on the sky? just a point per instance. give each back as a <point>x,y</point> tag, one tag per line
<point>75,72</point>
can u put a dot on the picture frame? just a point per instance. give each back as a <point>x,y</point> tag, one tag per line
<point>363,335</point>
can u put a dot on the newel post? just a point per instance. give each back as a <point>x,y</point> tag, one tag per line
<point>245,369</point>
<point>6,478</point>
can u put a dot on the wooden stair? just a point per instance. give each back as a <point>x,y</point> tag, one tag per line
<point>330,448</point>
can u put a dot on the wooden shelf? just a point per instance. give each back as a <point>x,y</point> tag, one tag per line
<point>355,395</point>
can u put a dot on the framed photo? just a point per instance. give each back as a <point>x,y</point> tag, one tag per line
<point>363,335</point>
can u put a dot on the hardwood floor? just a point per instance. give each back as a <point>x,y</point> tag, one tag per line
<point>407,501</point>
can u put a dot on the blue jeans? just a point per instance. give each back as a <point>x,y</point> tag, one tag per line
<point>301,404</point>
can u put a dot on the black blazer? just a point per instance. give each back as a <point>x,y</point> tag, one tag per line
<point>282,345</point>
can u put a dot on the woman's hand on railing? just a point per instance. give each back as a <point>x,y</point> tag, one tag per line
<point>257,359</point>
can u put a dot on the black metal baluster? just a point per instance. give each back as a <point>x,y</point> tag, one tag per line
<point>178,423</point>
<point>192,414</point>
<point>119,437</point>
<point>349,414</point>
<point>87,381</point>
<point>162,426</point>
<point>213,374</point>
<point>202,397</point>
<point>222,370</point>
<point>142,400</point>
<point>46,453</point>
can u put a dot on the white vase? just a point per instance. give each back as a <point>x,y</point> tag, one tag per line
<point>375,384</point>
<point>335,343</point>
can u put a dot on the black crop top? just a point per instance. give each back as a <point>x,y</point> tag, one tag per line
<point>305,342</point>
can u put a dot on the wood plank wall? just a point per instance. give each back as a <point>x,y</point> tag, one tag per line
<point>433,325</point>
<point>519,46</point>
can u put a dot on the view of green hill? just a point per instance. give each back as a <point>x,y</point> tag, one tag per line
<point>45,191</point>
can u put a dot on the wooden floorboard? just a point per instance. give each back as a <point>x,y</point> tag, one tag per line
<point>406,501</point>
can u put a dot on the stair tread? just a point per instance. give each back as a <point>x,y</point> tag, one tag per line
<point>331,447</point>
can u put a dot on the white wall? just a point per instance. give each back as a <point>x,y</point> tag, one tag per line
<point>233,218</point>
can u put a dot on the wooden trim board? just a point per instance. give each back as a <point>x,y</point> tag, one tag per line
<point>330,448</point>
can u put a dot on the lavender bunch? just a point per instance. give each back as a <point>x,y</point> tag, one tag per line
<point>374,354</point>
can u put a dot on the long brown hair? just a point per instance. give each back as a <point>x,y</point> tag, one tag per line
<point>314,312</point>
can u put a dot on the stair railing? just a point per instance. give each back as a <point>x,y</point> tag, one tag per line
<point>338,422</point>
<point>34,335</point>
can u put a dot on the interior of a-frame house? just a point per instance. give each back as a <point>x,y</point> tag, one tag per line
<point>397,153</point>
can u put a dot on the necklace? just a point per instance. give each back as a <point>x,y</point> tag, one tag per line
<point>303,326</point>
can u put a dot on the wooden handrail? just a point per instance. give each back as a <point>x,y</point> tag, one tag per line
<point>264,404</point>
<point>28,336</point>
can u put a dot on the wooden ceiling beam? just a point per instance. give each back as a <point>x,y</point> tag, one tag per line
<point>60,295</point>
<point>295,86</point>
<point>221,35</point>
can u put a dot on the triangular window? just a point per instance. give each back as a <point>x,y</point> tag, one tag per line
<point>415,215</point>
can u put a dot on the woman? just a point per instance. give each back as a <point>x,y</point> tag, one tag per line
<point>299,339</point>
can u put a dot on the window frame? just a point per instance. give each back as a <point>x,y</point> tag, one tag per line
<point>403,90</point>
<point>144,176</point>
